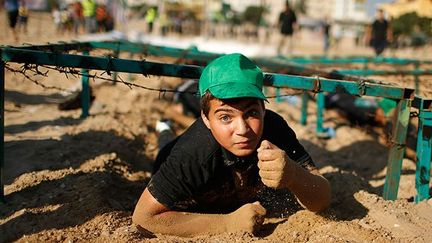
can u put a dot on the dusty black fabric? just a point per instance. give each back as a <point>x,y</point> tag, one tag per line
<point>379,30</point>
<point>196,174</point>
<point>12,18</point>
<point>286,20</point>
<point>379,36</point>
<point>189,98</point>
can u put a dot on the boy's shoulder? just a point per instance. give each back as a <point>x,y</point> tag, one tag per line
<point>195,148</point>
<point>197,140</point>
<point>273,119</point>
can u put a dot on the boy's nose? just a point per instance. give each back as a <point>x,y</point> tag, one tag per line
<point>242,127</point>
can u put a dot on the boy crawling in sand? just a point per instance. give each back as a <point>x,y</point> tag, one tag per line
<point>233,166</point>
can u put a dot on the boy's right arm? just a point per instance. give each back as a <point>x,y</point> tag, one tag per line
<point>157,218</point>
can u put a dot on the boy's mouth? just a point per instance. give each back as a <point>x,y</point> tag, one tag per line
<point>244,144</point>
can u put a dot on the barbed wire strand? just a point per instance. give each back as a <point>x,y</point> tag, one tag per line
<point>35,70</point>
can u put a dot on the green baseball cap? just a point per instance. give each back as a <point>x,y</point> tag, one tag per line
<point>232,76</point>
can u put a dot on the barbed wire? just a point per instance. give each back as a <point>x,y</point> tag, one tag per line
<point>29,71</point>
<point>23,71</point>
<point>35,70</point>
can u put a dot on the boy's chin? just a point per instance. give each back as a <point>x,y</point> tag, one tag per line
<point>242,152</point>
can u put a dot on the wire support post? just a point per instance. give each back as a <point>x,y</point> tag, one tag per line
<point>85,94</point>
<point>397,150</point>
<point>423,153</point>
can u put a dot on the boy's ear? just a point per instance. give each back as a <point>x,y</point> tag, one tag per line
<point>205,119</point>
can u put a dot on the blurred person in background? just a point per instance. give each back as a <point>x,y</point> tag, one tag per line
<point>287,24</point>
<point>150,18</point>
<point>109,22</point>
<point>23,14</point>
<point>12,9</point>
<point>325,30</point>
<point>56,15</point>
<point>77,17</point>
<point>380,33</point>
<point>89,13</point>
<point>101,17</point>
<point>164,23</point>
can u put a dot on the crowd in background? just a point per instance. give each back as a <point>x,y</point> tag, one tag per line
<point>253,25</point>
<point>88,16</point>
<point>84,16</point>
<point>72,17</point>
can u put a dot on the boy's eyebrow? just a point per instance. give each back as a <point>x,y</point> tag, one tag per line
<point>222,109</point>
<point>244,106</point>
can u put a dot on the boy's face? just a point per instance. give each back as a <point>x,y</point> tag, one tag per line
<point>238,125</point>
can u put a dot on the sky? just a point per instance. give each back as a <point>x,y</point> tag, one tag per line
<point>371,6</point>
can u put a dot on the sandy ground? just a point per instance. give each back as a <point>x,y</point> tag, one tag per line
<point>77,180</point>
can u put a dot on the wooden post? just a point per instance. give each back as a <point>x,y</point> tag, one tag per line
<point>85,92</point>
<point>305,99</point>
<point>397,149</point>
<point>320,113</point>
<point>423,151</point>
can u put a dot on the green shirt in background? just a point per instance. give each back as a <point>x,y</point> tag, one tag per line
<point>89,8</point>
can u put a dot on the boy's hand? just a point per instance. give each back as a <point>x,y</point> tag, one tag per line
<point>274,165</point>
<point>248,217</point>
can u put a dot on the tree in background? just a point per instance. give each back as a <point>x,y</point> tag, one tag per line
<point>411,30</point>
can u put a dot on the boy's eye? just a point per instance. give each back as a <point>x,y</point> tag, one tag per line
<point>225,118</point>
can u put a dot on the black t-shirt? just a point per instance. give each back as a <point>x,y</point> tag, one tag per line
<point>379,30</point>
<point>195,173</point>
<point>188,97</point>
<point>286,21</point>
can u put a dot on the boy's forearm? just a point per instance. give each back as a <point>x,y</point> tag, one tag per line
<point>312,190</point>
<point>184,224</point>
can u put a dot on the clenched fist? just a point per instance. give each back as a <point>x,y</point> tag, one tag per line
<point>275,168</point>
<point>248,217</point>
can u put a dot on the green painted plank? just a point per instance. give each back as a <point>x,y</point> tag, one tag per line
<point>191,53</point>
<point>195,55</point>
<point>60,47</point>
<point>190,71</point>
<point>370,72</point>
<point>354,59</point>
<point>397,150</point>
<point>289,68</point>
<point>333,86</point>
<point>100,63</point>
